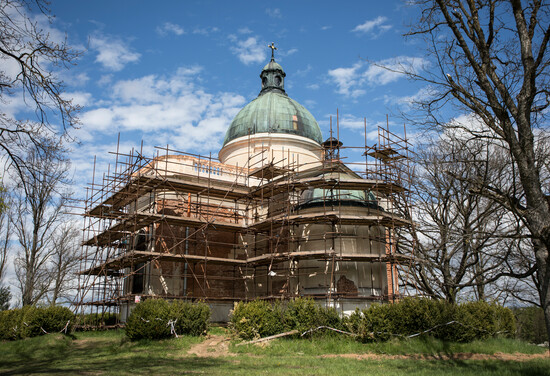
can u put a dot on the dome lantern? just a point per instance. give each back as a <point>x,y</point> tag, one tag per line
<point>273,75</point>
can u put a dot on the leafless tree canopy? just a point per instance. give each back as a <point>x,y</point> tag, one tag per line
<point>490,61</point>
<point>35,54</point>
<point>468,246</point>
<point>38,206</point>
<point>64,263</point>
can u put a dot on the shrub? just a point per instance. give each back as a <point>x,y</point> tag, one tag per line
<point>10,324</point>
<point>33,321</point>
<point>148,320</point>
<point>192,318</point>
<point>377,323</point>
<point>37,321</point>
<point>380,322</point>
<point>476,320</point>
<point>151,319</point>
<point>260,318</point>
<point>481,320</point>
<point>257,319</point>
<point>303,314</point>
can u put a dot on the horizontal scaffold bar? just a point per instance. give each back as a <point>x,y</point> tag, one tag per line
<point>138,220</point>
<point>113,267</point>
<point>372,217</point>
<point>285,185</point>
<point>143,184</point>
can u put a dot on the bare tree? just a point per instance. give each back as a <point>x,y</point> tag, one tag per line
<point>5,230</point>
<point>39,200</point>
<point>468,245</point>
<point>30,55</point>
<point>5,235</point>
<point>490,58</point>
<point>64,263</point>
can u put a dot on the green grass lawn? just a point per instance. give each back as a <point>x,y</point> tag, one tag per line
<point>110,353</point>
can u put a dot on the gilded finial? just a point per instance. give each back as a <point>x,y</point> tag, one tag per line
<point>273,48</point>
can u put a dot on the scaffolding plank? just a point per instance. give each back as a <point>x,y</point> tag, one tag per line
<point>136,257</point>
<point>113,267</point>
<point>324,255</point>
<point>141,219</point>
<point>373,217</point>
<point>386,154</point>
<point>268,172</point>
<point>376,185</point>
<point>142,185</point>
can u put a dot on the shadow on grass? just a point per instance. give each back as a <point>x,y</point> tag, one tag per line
<point>475,367</point>
<point>60,356</point>
<point>116,355</point>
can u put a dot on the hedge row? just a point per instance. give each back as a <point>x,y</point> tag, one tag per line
<point>459,323</point>
<point>157,319</point>
<point>439,319</point>
<point>260,318</point>
<point>33,321</point>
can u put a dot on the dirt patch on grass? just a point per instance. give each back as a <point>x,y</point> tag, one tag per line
<point>518,357</point>
<point>212,346</point>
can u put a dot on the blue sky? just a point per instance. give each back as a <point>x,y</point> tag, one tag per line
<point>177,72</point>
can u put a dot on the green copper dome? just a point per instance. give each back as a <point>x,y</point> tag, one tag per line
<point>273,111</point>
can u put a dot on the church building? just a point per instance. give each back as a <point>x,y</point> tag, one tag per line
<point>278,216</point>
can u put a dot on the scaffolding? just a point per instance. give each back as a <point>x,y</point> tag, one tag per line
<point>184,226</point>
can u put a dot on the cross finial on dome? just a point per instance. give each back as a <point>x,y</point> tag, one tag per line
<point>273,48</point>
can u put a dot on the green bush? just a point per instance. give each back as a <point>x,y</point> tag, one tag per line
<point>481,320</point>
<point>10,324</point>
<point>377,323</point>
<point>531,326</point>
<point>192,318</point>
<point>303,314</point>
<point>260,318</point>
<point>152,318</point>
<point>380,322</point>
<point>439,319</point>
<point>257,319</point>
<point>33,321</point>
<point>37,321</point>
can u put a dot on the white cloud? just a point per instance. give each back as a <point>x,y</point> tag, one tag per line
<point>244,30</point>
<point>105,79</point>
<point>389,70</point>
<point>205,30</point>
<point>174,108</point>
<point>274,12</point>
<point>351,81</point>
<point>170,28</point>
<point>374,27</point>
<point>351,122</point>
<point>249,50</point>
<point>113,53</point>
<point>289,52</point>
<point>409,100</point>
<point>347,80</point>
<point>310,103</point>
<point>79,98</point>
